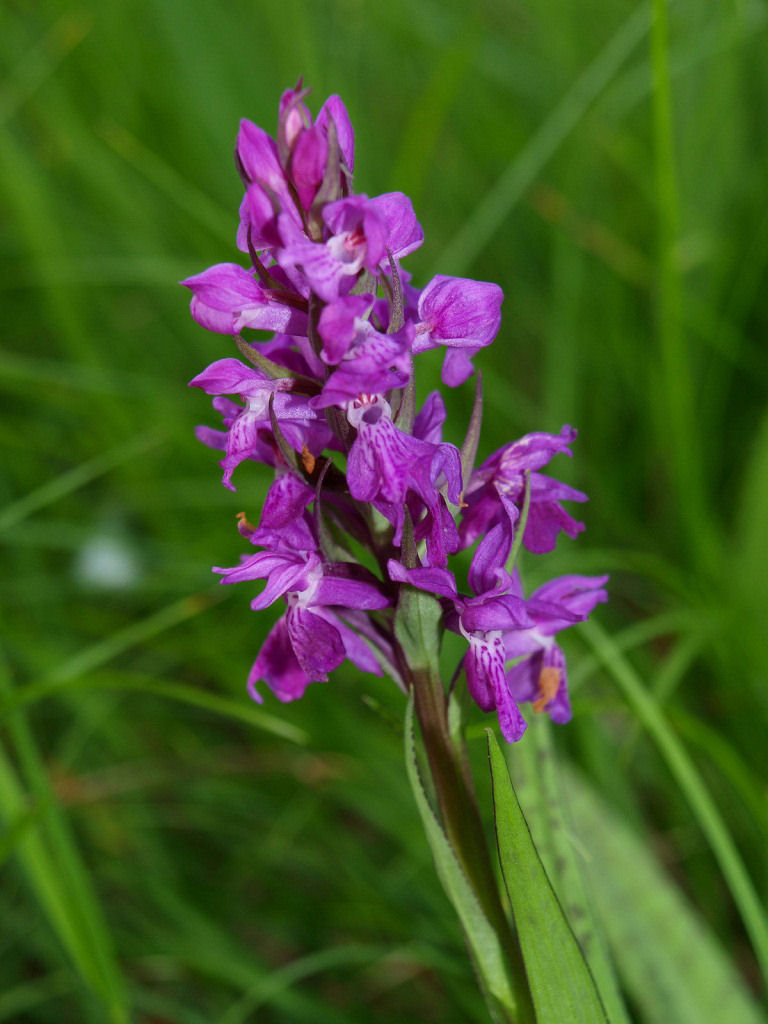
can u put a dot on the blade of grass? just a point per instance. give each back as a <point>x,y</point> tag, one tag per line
<point>491,211</point>
<point>73,479</point>
<point>690,784</point>
<point>244,711</point>
<point>74,673</point>
<point>265,989</point>
<point>56,872</point>
<point>675,417</point>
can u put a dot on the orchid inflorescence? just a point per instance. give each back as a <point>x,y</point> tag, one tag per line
<point>367,498</point>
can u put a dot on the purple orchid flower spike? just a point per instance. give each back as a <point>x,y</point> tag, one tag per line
<point>329,404</point>
<point>369,502</point>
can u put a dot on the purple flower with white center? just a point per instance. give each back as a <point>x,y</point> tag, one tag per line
<point>497,489</point>
<point>540,674</point>
<point>361,232</point>
<point>461,315</point>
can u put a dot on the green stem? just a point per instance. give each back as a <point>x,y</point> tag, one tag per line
<point>461,819</point>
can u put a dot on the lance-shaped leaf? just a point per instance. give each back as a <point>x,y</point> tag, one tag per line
<point>560,980</point>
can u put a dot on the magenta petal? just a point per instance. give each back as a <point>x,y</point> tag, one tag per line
<point>460,312</point>
<point>487,568</point>
<point>457,366</point>
<point>434,581</point>
<point>231,377</point>
<point>308,161</point>
<point>286,500</point>
<point>511,722</point>
<point>487,683</point>
<point>227,298</point>
<point>316,643</point>
<point>404,233</point>
<point>495,613</point>
<point>258,159</point>
<point>349,587</point>
<point>335,109</point>
<point>358,651</point>
<point>337,325</point>
<point>277,666</point>
<point>428,424</point>
<point>576,596</point>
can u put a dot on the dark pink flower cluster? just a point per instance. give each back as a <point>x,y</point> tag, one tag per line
<point>360,474</point>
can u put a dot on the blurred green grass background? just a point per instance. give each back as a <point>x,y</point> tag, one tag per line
<point>171,854</point>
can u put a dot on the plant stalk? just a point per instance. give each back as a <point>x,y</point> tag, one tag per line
<point>449,768</point>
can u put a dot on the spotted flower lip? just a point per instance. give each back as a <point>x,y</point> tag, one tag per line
<point>368,495</point>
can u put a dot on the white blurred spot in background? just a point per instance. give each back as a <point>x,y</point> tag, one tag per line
<point>107,561</point>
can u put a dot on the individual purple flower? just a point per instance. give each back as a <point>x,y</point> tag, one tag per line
<point>385,464</point>
<point>462,315</point>
<point>540,675</point>
<point>311,588</point>
<point>230,376</point>
<point>361,233</point>
<point>496,489</point>
<point>226,298</point>
<point>357,242</point>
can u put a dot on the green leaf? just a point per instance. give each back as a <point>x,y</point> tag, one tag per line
<point>537,781</point>
<point>561,983</point>
<point>669,961</point>
<point>57,875</point>
<point>483,941</point>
